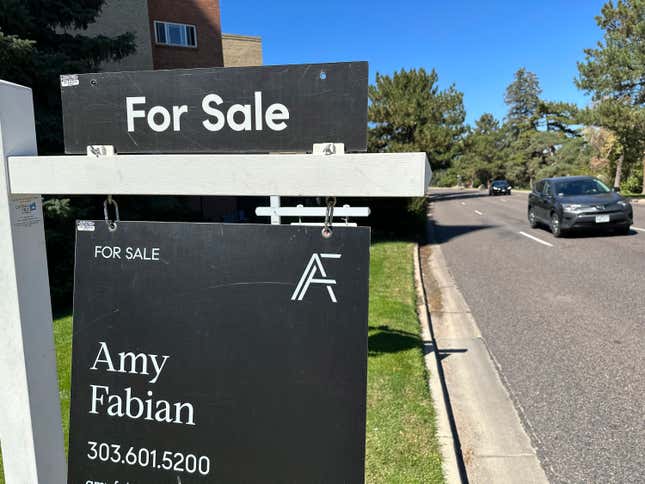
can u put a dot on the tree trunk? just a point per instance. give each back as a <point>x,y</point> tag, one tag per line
<point>643,189</point>
<point>619,171</point>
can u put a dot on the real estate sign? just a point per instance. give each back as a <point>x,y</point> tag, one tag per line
<point>218,110</point>
<point>218,353</point>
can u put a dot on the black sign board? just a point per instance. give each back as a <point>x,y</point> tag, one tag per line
<point>218,353</point>
<point>218,110</point>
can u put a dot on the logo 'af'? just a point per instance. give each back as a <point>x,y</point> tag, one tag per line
<point>308,278</point>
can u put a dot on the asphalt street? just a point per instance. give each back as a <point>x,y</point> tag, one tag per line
<point>564,320</point>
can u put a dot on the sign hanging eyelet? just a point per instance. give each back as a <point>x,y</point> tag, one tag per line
<point>329,217</point>
<point>112,224</point>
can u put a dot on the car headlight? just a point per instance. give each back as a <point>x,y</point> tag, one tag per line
<point>623,203</point>
<point>572,207</point>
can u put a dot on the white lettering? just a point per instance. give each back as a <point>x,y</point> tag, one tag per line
<point>103,349</point>
<point>116,407</point>
<point>128,404</point>
<point>245,109</point>
<point>142,357</point>
<point>158,368</point>
<point>211,111</point>
<point>165,122</point>
<point>277,112</point>
<point>134,407</point>
<point>258,110</point>
<point>177,111</point>
<point>130,362</point>
<point>191,411</point>
<point>107,252</point>
<point>132,253</point>
<point>95,398</point>
<point>131,114</point>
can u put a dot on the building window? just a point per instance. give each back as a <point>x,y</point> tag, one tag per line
<point>168,33</point>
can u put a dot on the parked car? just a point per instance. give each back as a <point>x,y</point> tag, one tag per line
<point>499,187</point>
<point>566,203</point>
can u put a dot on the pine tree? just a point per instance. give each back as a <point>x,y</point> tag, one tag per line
<point>35,50</point>
<point>614,73</point>
<point>409,112</point>
<point>523,100</point>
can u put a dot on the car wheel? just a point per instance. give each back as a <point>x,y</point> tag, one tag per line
<point>556,229</point>
<point>509,192</point>
<point>624,230</point>
<point>532,218</point>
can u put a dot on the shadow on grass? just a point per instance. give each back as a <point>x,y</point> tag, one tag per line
<point>387,340</point>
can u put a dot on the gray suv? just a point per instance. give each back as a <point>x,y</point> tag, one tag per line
<point>570,202</point>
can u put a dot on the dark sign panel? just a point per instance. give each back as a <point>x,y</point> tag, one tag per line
<point>218,353</point>
<point>218,110</point>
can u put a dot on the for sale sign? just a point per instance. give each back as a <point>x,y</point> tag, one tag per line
<point>218,110</point>
<point>218,353</point>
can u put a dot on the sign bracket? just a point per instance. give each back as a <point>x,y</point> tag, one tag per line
<point>324,149</point>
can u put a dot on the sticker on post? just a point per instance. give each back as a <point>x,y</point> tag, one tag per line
<point>85,226</point>
<point>25,212</point>
<point>68,80</point>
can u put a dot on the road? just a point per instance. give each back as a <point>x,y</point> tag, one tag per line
<point>564,320</point>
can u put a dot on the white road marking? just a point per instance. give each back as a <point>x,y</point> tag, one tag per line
<point>638,228</point>
<point>504,200</point>
<point>478,212</point>
<point>540,241</point>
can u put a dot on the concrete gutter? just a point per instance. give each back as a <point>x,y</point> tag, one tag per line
<point>448,442</point>
<point>494,445</point>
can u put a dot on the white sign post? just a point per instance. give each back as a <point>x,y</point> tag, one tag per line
<point>30,420</point>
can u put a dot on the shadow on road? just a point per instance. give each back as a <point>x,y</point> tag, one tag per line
<point>444,233</point>
<point>591,233</point>
<point>448,196</point>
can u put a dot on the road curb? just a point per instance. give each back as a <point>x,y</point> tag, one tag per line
<point>494,444</point>
<point>448,441</point>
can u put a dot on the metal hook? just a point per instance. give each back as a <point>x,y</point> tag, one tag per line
<point>329,217</point>
<point>111,224</point>
<point>346,218</point>
<point>330,149</point>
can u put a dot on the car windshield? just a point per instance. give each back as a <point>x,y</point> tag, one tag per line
<point>585,186</point>
<point>500,183</point>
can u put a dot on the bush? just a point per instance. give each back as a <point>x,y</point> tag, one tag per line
<point>444,178</point>
<point>633,184</point>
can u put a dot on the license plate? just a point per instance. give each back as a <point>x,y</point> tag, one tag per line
<point>602,219</point>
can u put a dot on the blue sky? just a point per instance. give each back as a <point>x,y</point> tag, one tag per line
<point>477,45</point>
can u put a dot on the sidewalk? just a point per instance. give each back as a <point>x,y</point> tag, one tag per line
<point>494,445</point>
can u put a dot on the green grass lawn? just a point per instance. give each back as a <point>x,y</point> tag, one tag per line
<point>401,442</point>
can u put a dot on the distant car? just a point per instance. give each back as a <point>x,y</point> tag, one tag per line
<point>499,187</point>
<point>567,203</point>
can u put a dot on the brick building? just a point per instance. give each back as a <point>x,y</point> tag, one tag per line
<point>173,34</point>
<point>242,50</point>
